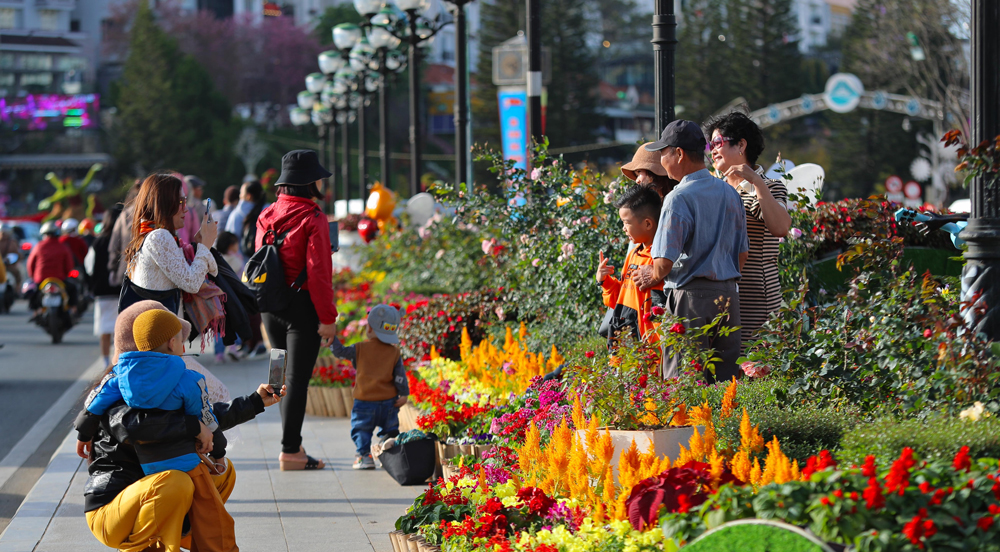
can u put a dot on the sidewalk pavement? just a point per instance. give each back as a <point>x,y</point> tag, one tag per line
<point>334,509</point>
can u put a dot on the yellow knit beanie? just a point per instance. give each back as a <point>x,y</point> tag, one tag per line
<point>154,328</point>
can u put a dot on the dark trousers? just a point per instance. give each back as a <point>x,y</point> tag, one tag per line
<point>366,416</point>
<point>294,329</point>
<point>700,301</point>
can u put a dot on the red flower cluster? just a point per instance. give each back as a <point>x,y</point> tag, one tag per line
<point>815,464</point>
<point>420,393</point>
<point>899,474</point>
<point>869,469</point>
<point>962,460</point>
<point>920,528</point>
<point>340,374</point>
<point>874,499</point>
<point>678,328</point>
<point>536,500</point>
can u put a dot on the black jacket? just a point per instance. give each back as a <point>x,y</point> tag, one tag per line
<point>240,302</point>
<point>114,464</point>
<point>99,284</point>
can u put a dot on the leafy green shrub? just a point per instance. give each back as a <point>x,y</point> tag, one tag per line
<point>933,437</point>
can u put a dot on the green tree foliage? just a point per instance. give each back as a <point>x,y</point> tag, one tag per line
<point>169,114</point>
<point>737,48</point>
<point>571,101</point>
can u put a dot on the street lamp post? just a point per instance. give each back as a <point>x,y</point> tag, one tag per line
<point>419,32</point>
<point>534,80</point>
<point>664,43</point>
<point>981,274</point>
<point>461,93</point>
<point>385,62</point>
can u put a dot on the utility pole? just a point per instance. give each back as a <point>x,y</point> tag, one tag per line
<point>664,44</point>
<point>534,81</point>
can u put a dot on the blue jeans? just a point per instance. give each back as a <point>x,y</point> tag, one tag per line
<point>366,416</point>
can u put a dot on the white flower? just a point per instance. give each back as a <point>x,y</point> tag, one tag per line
<point>567,250</point>
<point>439,254</point>
<point>566,232</point>
<point>974,412</point>
<point>608,197</point>
<point>525,239</point>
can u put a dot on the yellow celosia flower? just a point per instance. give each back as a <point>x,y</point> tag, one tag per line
<point>741,466</point>
<point>680,418</point>
<point>701,415</point>
<point>728,400</point>
<point>750,438</point>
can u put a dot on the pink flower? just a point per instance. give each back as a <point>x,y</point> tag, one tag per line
<point>755,370</point>
<point>488,245</point>
<point>567,249</point>
<point>795,233</point>
<point>535,262</point>
<point>424,233</point>
<point>536,173</point>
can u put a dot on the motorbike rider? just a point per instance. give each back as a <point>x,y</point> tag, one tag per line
<point>51,259</point>
<point>77,245</point>
<point>8,245</point>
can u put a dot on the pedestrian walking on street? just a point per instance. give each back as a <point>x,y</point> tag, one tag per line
<point>96,264</point>
<point>380,385</point>
<point>736,144</point>
<point>309,320</point>
<point>157,268</point>
<point>229,200</point>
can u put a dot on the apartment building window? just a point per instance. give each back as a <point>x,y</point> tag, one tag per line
<point>36,62</point>
<point>36,79</point>
<point>10,18</point>
<point>48,20</point>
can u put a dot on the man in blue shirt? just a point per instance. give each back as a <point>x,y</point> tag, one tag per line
<point>700,246</point>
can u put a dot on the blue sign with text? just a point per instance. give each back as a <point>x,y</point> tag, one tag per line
<point>514,125</point>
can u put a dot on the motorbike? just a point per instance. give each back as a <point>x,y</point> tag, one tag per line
<point>84,297</point>
<point>8,288</point>
<point>54,318</point>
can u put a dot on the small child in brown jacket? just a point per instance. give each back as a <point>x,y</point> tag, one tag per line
<point>380,386</point>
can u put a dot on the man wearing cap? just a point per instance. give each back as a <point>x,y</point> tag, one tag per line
<point>311,315</point>
<point>380,385</point>
<point>700,246</point>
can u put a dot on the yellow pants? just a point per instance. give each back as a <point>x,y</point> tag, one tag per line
<point>149,513</point>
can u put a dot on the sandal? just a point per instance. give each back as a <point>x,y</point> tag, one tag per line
<point>309,463</point>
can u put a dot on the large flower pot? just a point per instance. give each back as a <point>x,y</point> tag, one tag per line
<point>326,401</point>
<point>348,398</point>
<point>408,417</point>
<point>396,545</point>
<point>666,441</point>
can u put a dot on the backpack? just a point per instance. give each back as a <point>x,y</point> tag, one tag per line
<point>265,276</point>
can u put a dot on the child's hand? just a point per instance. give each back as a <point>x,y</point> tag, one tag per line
<point>401,401</point>
<point>83,448</point>
<point>266,394</point>
<point>603,268</point>
<point>205,442</point>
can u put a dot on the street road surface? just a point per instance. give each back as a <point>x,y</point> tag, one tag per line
<point>42,386</point>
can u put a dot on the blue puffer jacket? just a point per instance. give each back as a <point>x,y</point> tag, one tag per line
<point>148,380</point>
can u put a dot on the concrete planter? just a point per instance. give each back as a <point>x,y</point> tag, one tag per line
<point>666,441</point>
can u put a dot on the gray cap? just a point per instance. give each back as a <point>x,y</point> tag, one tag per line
<point>384,320</point>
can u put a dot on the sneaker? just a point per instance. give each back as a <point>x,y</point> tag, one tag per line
<point>220,358</point>
<point>259,351</point>
<point>364,462</point>
<point>234,353</point>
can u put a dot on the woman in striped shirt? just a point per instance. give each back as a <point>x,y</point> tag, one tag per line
<point>736,144</point>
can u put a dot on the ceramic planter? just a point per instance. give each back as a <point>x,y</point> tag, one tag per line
<point>666,441</point>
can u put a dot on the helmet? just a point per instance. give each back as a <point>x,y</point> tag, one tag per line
<point>49,228</point>
<point>86,225</point>
<point>69,226</point>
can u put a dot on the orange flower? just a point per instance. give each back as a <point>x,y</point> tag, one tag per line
<point>680,417</point>
<point>728,400</point>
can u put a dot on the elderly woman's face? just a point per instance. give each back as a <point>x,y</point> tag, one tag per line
<point>726,152</point>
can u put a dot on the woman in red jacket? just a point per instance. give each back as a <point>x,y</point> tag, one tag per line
<point>310,319</point>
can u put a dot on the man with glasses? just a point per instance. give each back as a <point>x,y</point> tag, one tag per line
<point>699,248</point>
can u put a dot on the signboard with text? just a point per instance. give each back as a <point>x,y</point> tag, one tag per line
<point>48,111</point>
<point>514,124</point>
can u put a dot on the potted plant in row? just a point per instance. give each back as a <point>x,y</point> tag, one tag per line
<point>330,388</point>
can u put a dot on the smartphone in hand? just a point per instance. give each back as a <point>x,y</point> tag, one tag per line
<point>276,371</point>
<point>208,208</point>
<point>334,237</point>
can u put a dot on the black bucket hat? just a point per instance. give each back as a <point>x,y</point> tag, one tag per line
<point>301,168</point>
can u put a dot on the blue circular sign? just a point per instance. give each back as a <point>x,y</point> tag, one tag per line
<point>879,100</point>
<point>843,92</point>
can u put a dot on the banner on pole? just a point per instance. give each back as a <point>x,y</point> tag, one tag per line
<point>513,124</point>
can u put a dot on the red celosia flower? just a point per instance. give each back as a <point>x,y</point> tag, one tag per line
<point>869,469</point>
<point>899,475</point>
<point>962,461</point>
<point>873,495</point>
<point>985,523</point>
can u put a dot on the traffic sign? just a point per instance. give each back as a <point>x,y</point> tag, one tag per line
<point>894,184</point>
<point>843,92</point>
<point>912,190</point>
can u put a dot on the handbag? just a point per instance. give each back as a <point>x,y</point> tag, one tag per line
<point>132,293</point>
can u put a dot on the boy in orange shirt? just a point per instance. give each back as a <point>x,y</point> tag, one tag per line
<point>639,210</point>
